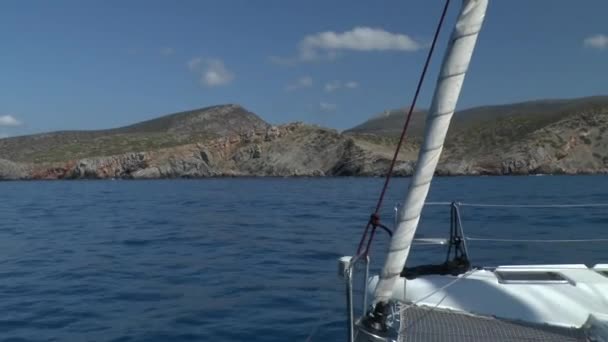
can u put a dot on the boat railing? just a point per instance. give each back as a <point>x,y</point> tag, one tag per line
<point>468,238</point>
<point>348,265</point>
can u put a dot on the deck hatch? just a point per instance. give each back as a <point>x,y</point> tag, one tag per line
<point>530,277</point>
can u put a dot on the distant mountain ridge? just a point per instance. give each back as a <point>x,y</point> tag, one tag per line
<point>542,136</point>
<point>546,136</point>
<point>166,131</point>
<point>390,122</point>
<point>218,120</point>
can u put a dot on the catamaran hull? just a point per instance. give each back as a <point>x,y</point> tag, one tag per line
<point>567,296</point>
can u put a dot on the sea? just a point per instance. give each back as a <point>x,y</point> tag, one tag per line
<point>247,259</point>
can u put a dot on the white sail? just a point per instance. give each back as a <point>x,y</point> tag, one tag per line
<point>449,83</point>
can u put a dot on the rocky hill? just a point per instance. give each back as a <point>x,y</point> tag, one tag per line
<point>167,131</point>
<point>288,150</point>
<point>547,136</point>
<point>558,136</point>
<point>540,112</point>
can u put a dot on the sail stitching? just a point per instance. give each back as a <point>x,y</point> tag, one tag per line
<point>465,35</point>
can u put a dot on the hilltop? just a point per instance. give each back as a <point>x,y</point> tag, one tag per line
<point>166,131</point>
<point>545,136</point>
<point>535,114</point>
<point>223,140</point>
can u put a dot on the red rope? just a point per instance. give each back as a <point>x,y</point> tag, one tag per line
<point>374,220</point>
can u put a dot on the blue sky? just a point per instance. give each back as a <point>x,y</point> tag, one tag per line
<point>101,64</point>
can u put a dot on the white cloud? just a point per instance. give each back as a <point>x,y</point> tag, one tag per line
<point>302,82</point>
<point>9,121</point>
<point>167,51</point>
<point>351,84</point>
<point>194,64</point>
<point>212,71</point>
<point>599,41</point>
<point>326,45</point>
<point>333,85</point>
<point>359,39</point>
<point>336,85</point>
<point>327,107</point>
<point>217,74</point>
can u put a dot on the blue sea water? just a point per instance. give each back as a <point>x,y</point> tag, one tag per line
<point>241,259</point>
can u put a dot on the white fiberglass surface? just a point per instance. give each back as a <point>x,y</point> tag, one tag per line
<point>569,304</point>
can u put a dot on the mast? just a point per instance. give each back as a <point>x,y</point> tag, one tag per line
<point>451,77</point>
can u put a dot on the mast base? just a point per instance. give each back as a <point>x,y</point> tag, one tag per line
<point>373,326</point>
<point>366,334</point>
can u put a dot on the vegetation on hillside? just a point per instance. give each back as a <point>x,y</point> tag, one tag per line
<point>552,136</point>
<point>167,131</point>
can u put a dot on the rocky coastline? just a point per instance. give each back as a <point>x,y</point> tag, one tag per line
<point>571,144</point>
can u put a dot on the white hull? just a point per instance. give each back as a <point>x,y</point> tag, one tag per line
<point>578,297</point>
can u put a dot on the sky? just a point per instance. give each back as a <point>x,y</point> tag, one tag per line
<point>71,64</point>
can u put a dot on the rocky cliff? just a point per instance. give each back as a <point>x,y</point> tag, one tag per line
<point>546,137</point>
<point>12,171</point>
<point>167,131</point>
<point>577,144</point>
<point>288,150</point>
<point>570,138</point>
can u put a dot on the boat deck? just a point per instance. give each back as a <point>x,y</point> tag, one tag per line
<point>555,295</point>
<point>427,324</point>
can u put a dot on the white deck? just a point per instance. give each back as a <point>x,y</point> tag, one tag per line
<point>580,299</point>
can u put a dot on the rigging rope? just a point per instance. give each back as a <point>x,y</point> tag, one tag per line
<point>469,238</point>
<point>374,221</point>
<point>499,205</point>
<point>580,205</point>
<point>439,289</point>
<point>408,306</point>
<point>480,205</point>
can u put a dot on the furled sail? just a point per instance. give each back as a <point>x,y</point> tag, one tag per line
<point>449,84</point>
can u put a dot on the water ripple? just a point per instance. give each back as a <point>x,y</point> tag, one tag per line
<point>235,259</point>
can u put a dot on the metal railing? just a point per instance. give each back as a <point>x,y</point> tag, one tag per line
<point>457,238</point>
<point>347,270</point>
